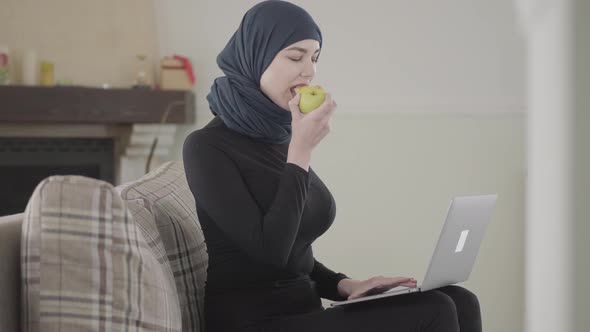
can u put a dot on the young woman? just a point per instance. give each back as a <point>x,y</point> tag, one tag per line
<point>261,206</point>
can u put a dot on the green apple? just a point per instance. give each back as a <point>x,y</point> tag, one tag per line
<point>311,97</point>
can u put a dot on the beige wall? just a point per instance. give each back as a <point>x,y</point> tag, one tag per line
<point>90,42</point>
<point>393,177</point>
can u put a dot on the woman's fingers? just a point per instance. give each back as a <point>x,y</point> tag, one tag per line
<point>394,281</point>
<point>309,129</point>
<point>381,284</point>
<point>294,106</point>
<point>327,108</point>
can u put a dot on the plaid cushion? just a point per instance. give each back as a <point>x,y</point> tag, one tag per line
<point>87,265</point>
<point>164,192</point>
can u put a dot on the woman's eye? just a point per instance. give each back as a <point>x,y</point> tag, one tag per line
<point>297,60</point>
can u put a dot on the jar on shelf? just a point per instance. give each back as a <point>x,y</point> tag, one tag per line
<point>47,73</point>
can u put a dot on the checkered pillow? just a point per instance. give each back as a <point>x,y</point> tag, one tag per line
<point>164,192</point>
<point>89,265</point>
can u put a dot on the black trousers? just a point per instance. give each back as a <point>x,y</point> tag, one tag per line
<point>298,308</point>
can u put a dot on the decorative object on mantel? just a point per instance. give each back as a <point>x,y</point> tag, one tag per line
<point>142,79</point>
<point>81,105</point>
<point>4,65</point>
<point>176,73</point>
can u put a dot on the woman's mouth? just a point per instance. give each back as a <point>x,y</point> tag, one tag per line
<point>295,88</point>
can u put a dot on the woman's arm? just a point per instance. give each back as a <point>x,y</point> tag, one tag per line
<point>338,287</point>
<point>328,282</point>
<point>221,193</point>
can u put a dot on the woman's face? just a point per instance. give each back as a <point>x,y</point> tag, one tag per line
<point>293,66</point>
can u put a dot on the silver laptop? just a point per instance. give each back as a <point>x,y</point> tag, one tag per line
<point>457,247</point>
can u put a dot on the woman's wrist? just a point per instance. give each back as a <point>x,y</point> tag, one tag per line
<point>299,157</point>
<point>345,287</point>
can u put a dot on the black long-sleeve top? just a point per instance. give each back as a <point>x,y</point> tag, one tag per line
<point>259,214</point>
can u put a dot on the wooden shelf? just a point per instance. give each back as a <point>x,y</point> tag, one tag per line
<point>82,105</point>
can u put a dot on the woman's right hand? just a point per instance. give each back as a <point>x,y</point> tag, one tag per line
<point>352,289</point>
<point>307,130</point>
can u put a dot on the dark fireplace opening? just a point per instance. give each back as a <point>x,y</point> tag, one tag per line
<point>24,162</point>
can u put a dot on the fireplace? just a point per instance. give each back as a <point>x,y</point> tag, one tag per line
<point>24,162</point>
<point>106,134</point>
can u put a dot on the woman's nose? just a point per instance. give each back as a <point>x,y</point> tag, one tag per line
<point>309,69</point>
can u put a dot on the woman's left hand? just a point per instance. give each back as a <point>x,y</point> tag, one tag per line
<point>352,289</point>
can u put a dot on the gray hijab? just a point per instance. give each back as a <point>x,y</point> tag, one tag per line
<point>236,98</point>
